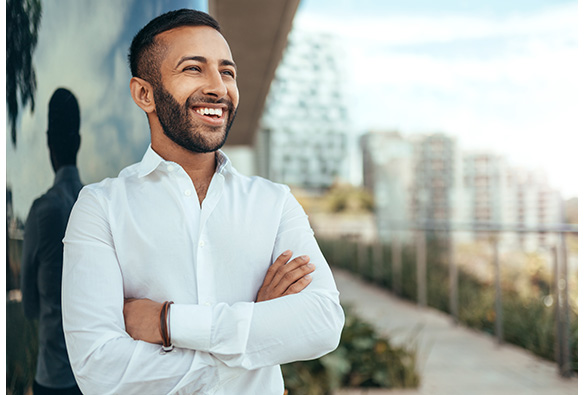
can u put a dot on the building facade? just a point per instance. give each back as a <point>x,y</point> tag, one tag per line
<point>302,139</point>
<point>388,161</point>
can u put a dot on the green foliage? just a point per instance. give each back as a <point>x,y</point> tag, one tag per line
<point>23,21</point>
<point>347,198</point>
<point>363,359</point>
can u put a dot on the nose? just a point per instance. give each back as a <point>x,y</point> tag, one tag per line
<point>214,84</point>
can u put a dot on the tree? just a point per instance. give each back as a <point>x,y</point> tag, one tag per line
<point>23,20</point>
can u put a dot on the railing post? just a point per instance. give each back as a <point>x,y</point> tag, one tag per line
<point>453,279</point>
<point>361,262</point>
<point>421,268</point>
<point>557,310</point>
<point>397,265</point>
<point>562,316</point>
<point>378,256</point>
<point>498,284</point>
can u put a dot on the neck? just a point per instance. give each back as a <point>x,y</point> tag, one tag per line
<point>199,166</point>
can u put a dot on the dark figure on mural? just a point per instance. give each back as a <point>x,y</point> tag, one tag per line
<point>232,252</point>
<point>42,257</point>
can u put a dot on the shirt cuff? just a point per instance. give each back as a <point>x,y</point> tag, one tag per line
<point>190,326</point>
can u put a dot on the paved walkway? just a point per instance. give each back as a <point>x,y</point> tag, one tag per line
<point>454,360</point>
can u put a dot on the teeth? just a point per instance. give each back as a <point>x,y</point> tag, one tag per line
<point>210,111</point>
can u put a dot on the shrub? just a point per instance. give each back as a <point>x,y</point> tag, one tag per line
<point>363,359</point>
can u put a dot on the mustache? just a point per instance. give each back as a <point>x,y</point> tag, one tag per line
<point>196,100</point>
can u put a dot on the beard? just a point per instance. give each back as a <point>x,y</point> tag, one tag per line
<point>178,125</point>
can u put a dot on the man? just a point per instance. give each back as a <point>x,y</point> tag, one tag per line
<point>42,257</point>
<point>184,226</point>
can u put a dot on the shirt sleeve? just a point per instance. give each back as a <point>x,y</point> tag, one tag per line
<point>29,266</point>
<point>104,358</point>
<point>303,326</point>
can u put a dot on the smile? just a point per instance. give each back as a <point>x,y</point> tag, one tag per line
<point>214,112</point>
<point>213,116</point>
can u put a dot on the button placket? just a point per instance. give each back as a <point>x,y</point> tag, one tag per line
<point>205,270</point>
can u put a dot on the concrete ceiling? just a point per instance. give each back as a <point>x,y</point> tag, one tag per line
<point>256,31</point>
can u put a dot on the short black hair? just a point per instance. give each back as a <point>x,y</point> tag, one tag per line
<point>144,57</point>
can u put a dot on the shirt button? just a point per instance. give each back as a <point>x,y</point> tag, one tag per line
<point>170,168</point>
<point>201,243</point>
<point>207,304</point>
<point>187,192</point>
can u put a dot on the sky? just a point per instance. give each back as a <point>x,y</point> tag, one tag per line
<point>499,76</point>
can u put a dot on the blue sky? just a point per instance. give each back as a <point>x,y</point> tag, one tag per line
<point>500,76</point>
<point>368,8</point>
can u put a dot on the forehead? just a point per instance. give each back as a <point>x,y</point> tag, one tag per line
<point>194,41</point>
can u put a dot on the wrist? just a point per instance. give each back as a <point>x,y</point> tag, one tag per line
<point>165,330</point>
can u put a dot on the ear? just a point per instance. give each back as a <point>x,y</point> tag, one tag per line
<point>141,92</point>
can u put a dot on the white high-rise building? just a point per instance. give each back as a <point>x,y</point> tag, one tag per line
<point>302,139</point>
<point>387,163</point>
<point>487,191</point>
<point>414,181</point>
<point>516,197</point>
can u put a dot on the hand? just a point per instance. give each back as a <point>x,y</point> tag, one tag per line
<point>142,319</point>
<point>284,278</point>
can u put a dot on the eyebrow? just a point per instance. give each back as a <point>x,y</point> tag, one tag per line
<point>202,59</point>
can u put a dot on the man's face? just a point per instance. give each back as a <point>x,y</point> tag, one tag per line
<point>197,96</point>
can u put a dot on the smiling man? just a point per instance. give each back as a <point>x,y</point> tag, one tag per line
<point>181,275</point>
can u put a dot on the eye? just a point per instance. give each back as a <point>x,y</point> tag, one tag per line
<point>192,68</point>
<point>229,73</point>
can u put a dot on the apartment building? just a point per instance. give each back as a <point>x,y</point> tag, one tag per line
<point>302,139</point>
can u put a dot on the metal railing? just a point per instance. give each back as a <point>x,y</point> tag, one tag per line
<point>560,272</point>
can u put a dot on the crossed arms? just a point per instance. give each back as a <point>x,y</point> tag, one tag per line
<point>284,277</point>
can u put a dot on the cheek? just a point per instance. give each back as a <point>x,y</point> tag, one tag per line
<point>181,90</point>
<point>235,96</point>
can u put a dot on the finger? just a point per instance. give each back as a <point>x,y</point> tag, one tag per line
<point>278,263</point>
<point>299,285</point>
<point>293,276</point>
<point>289,267</point>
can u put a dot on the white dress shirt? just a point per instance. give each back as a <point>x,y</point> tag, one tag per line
<point>144,235</point>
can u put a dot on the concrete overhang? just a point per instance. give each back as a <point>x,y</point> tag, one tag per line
<point>257,32</point>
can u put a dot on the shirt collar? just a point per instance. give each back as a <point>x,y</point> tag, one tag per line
<point>151,160</point>
<point>64,173</point>
<point>223,162</point>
